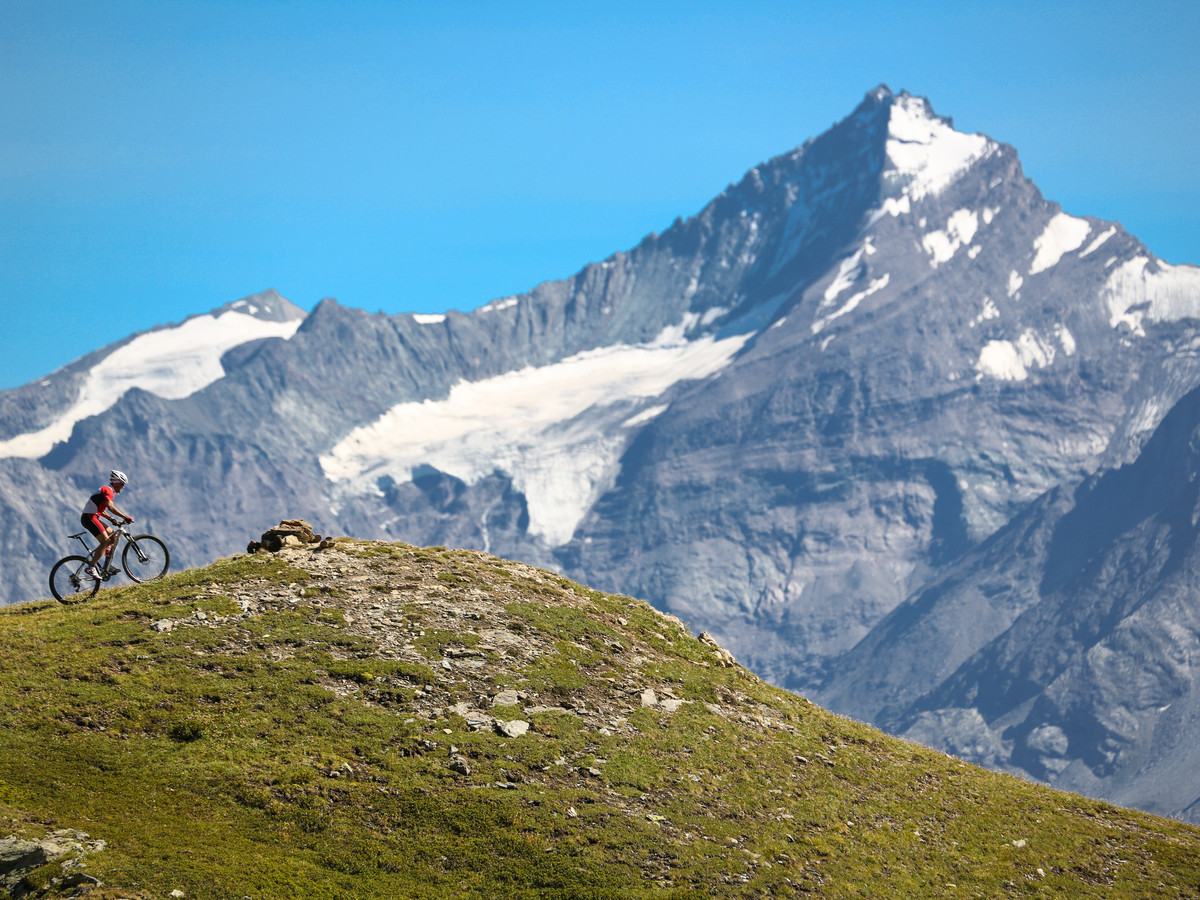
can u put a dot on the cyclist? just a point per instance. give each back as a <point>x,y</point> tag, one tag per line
<point>101,504</point>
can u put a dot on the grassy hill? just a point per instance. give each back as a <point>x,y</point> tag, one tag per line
<point>378,720</point>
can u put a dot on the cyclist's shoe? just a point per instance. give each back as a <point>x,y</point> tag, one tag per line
<point>90,572</point>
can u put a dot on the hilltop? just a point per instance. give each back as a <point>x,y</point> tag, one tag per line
<point>378,720</point>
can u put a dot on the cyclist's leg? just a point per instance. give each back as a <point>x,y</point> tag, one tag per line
<point>106,559</point>
<point>104,536</point>
<point>108,545</point>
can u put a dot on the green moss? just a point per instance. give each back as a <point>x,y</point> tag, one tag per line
<point>40,878</point>
<point>368,671</point>
<point>567,622</point>
<point>562,672</point>
<point>435,641</point>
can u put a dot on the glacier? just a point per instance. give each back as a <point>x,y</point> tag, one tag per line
<point>558,431</point>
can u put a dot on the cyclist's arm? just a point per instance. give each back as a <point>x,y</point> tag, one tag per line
<point>113,509</point>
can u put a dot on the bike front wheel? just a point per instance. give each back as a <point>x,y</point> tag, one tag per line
<point>68,584</point>
<point>145,558</point>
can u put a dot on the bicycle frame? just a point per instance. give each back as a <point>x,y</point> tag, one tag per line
<point>106,562</point>
<point>122,532</point>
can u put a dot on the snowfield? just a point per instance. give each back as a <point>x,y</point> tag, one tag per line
<point>1062,235</point>
<point>927,151</point>
<point>1142,289</point>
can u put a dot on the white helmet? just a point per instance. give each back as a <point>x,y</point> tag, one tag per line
<point>115,477</point>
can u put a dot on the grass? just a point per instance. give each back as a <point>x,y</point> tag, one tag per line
<point>280,755</point>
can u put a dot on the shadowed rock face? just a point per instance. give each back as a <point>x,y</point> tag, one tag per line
<point>817,398</point>
<point>1060,648</point>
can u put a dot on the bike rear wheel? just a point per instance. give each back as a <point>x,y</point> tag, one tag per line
<point>145,558</point>
<point>68,584</point>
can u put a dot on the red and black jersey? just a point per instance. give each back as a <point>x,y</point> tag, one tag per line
<point>98,502</point>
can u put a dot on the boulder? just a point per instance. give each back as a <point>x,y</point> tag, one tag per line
<point>513,729</point>
<point>19,858</point>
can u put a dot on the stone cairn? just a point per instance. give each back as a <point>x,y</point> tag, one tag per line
<point>288,533</point>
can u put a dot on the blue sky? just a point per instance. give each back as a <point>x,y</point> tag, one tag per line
<point>159,159</point>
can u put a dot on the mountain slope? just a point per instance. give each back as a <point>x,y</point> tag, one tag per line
<point>1063,648</point>
<point>379,720</point>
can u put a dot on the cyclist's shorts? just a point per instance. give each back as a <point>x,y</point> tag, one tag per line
<point>93,524</point>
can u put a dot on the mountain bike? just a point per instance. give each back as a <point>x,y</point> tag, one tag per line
<point>144,558</point>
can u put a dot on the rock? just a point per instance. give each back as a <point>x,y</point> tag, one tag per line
<point>459,764</point>
<point>477,721</point>
<point>505,698</point>
<point>513,729</point>
<point>79,879</point>
<point>649,698</point>
<point>272,543</point>
<point>163,625</point>
<point>20,857</point>
<point>724,657</point>
<point>16,854</point>
<point>534,710</point>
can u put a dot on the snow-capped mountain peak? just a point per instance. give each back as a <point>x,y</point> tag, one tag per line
<point>266,305</point>
<point>925,154</point>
